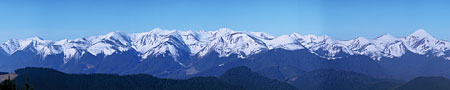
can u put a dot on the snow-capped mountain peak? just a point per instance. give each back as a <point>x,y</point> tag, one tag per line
<point>222,32</point>
<point>296,35</point>
<point>386,38</point>
<point>121,37</point>
<point>421,42</point>
<point>362,40</point>
<point>13,45</point>
<point>421,33</point>
<point>384,41</point>
<point>35,38</point>
<point>115,34</point>
<point>288,42</point>
<point>263,35</point>
<point>107,44</point>
<point>159,31</point>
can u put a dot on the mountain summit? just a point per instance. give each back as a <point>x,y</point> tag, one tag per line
<point>421,33</point>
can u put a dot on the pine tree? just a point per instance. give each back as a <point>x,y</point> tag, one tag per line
<point>8,84</point>
<point>27,86</point>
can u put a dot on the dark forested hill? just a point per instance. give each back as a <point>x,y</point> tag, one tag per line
<point>329,79</point>
<point>48,79</point>
<point>426,83</point>
<point>2,73</point>
<point>252,80</point>
<point>239,78</point>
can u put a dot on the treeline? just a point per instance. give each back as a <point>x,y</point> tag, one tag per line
<point>49,79</point>
<point>426,83</point>
<point>330,79</point>
<point>9,84</point>
<point>238,78</point>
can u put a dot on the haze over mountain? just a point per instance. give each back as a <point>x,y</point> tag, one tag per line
<point>183,54</point>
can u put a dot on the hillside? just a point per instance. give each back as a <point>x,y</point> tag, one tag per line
<point>328,79</point>
<point>239,78</point>
<point>252,80</point>
<point>48,79</point>
<point>426,83</point>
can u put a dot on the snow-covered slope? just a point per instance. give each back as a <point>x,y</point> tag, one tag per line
<point>35,44</point>
<point>226,42</point>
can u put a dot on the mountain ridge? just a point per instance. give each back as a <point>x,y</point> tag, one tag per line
<point>226,41</point>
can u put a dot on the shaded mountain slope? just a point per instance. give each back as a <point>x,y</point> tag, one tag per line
<point>426,83</point>
<point>252,80</point>
<point>48,79</point>
<point>328,79</point>
<point>239,78</point>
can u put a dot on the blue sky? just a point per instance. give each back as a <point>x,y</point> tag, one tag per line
<point>340,19</point>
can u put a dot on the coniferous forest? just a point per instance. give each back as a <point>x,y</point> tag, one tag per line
<point>49,79</point>
<point>238,78</point>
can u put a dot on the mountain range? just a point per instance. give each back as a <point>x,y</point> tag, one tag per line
<point>184,54</point>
